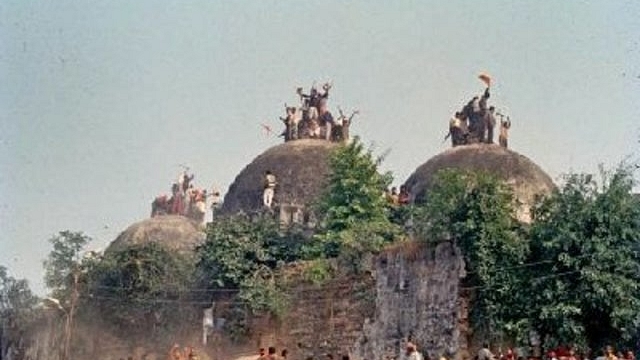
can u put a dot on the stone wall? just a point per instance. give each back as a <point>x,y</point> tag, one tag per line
<point>40,340</point>
<point>417,297</point>
<point>410,292</point>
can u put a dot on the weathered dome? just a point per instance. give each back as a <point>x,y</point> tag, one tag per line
<point>172,231</point>
<point>525,177</point>
<point>300,167</point>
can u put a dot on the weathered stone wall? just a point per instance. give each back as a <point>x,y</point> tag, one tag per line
<point>410,292</point>
<point>39,341</point>
<point>417,297</point>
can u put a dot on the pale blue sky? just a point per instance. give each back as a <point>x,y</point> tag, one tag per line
<point>101,100</point>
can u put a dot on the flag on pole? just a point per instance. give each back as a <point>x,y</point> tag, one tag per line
<point>485,78</point>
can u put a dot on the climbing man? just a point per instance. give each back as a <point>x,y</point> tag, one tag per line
<point>269,188</point>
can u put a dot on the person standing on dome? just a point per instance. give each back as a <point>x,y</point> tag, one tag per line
<point>505,125</point>
<point>457,130</point>
<point>480,114</point>
<point>317,98</point>
<point>309,101</point>
<point>490,123</point>
<point>269,189</point>
<point>291,121</point>
<point>187,183</point>
<point>177,200</point>
<point>326,120</point>
<point>472,110</point>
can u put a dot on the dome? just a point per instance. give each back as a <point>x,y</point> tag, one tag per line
<point>525,177</point>
<point>300,167</point>
<point>172,231</point>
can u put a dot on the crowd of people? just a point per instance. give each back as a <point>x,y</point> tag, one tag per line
<point>186,199</point>
<point>393,196</point>
<point>272,354</point>
<point>175,353</point>
<point>187,353</point>
<point>559,353</point>
<point>398,198</point>
<point>411,352</point>
<point>312,118</point>
<point>476,121</point>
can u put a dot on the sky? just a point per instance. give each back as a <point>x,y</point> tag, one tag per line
<point>101,101</point>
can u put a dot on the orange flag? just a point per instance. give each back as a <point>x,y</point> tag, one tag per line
<point>485,78</point>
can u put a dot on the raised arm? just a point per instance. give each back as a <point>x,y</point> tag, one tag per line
<point>354,113</point>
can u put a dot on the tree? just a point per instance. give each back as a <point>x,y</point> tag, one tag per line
<point>235,249</point>
<point>242,253</point>
<point>585,240</point>
<point>17,310</point>
<point>140,285</point>
<point>355,218</point>
<point>475,211</point>
<point>15,295</point>
<point>63,261</point>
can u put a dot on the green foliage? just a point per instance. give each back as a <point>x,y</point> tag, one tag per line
<point>354,212</point>
<point>63,261</point>
<point>17,302</point>
<point>476,212</point>
<point>17,311</point>
<point>242,253</point>
<point>262,294</point>
<point>238,325</point>
<point>236,249</point>
<point>585,239</point>
<point>140,285</point>
<point>15,295</point>
<point>318,271</point>
<point>573,275</point>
